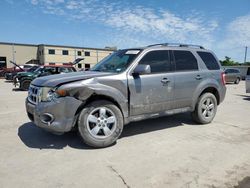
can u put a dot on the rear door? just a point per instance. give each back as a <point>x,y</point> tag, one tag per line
<point>187,77</point>
<point>152,93</point>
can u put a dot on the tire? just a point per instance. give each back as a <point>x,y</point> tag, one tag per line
<point>205,109</point>
<point>94,127</point>
<point>237,81</point>
<point>25,84</point>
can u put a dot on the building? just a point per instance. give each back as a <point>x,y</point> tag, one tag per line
<point>50,54</point>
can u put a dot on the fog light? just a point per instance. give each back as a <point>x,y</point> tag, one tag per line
<point>47,118</point>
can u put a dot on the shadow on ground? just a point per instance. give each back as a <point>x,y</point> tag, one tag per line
<point>35,137</point>
<point>17,89</point>
<point>245,97</point>
<point>245,183</point>
<point>8,81</point>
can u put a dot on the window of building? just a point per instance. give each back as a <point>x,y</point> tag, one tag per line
<point>79,65</point>
<point>65,52</point>
<point>87,53</point>
<point>87,66</point>
<point>52,51</point>
<point>185,61</point>
<point>209,60</point>
<point>158,61</point>
<point>79,53</point>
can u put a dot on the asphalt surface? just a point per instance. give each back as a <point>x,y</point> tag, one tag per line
<point>166,152</point>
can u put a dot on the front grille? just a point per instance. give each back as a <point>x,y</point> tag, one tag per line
<point>34,95</point>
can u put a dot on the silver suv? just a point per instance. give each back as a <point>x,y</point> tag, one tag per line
<point>129,85</point>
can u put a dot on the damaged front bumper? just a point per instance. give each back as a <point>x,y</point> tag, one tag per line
<point>57,116</point>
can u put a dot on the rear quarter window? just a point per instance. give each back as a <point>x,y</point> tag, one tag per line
<point>209,60</point>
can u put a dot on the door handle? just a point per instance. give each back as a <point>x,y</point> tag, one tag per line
<point>198,77</point>
<point>165,80</point>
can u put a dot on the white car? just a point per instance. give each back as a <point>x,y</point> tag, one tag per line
<point>248,80</point>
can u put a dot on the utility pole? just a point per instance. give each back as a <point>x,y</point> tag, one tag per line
<point>245,59</point>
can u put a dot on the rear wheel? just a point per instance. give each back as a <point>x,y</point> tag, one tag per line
<point>25,84</point>
<point>205,109</point>
<point>237,81</point>
<point>100,123</point>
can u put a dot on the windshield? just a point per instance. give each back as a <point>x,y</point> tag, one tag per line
<point>32,69</point>
<point>38,70</point>
<point>117,62</point>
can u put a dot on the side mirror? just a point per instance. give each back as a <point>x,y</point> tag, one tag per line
<point>141,69</point>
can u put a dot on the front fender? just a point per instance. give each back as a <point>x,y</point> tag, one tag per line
<point>82,91</point>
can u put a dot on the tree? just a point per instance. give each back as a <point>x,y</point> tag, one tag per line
<point>228,62</point>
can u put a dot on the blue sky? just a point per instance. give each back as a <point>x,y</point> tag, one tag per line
<point>222,26</point>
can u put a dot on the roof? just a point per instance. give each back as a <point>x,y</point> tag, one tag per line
<point>51,45</point>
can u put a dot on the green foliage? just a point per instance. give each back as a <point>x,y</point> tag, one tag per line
<point>228,62</point>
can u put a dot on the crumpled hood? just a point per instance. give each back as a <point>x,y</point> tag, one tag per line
<point>59,79</point>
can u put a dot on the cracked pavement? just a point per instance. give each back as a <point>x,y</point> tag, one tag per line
<point>171,151</point>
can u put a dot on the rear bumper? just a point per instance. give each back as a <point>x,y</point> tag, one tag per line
<point>56,116</point>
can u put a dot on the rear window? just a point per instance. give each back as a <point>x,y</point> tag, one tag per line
<point>209,60</point>
<point>185,61</point>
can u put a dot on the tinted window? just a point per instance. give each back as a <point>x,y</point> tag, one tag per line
<point>65,69</point>
<point>185,61</point>
<point>209,60</point>
<point>158,61</point>
<point>65,52</point>
<point>51,51</point>
<point>248,71</point>
<point>79,53</point>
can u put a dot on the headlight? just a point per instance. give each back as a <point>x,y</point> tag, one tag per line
<point>51,94</point>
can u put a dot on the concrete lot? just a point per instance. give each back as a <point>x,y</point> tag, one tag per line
<point>165,152</point>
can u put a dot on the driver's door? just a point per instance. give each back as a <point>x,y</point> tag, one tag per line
<point>152,93</point>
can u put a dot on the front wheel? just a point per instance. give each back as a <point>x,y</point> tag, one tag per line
<point>100,123</point>
<point>25,84</point>
<point>205,109</point>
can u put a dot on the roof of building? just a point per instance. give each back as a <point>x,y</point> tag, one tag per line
<point>50,45</point>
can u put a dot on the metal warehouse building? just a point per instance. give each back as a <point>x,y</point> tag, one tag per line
<point>49,54</point>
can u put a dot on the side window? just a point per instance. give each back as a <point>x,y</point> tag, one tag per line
<point>185,61</point>
<point>158,61</point>
<point>209,60</point>
<point>51,70</point>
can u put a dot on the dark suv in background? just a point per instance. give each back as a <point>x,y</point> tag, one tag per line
<point>129,85</point>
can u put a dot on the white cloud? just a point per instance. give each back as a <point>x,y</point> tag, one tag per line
<point>143,23</point>
<point>237,36</point>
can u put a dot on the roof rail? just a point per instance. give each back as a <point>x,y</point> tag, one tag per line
<point>177,45</point>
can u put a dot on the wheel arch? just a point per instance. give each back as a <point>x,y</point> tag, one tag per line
<point>95,97</point>
<point>212,90</point>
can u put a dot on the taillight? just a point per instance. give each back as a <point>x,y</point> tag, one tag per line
<point>223,79</point>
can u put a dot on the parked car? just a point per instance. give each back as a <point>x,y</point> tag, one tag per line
<point>130,85</point>
<point>232,75</point>
<point>10,76</point>
<point>23,79</point>
<point>248,80</point>
<point>16,68</point>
